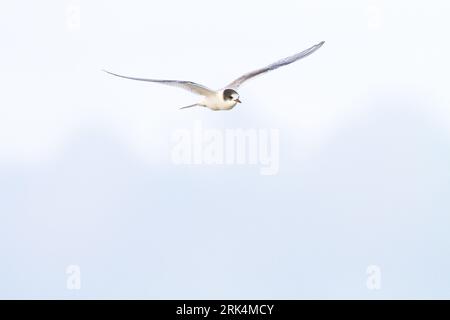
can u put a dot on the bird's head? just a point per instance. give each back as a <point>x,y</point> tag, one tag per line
<point>231,95</point>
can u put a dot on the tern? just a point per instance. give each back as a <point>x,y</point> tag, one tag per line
<point>226,98</point>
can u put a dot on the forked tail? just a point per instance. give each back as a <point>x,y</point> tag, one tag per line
<point>192,105</point>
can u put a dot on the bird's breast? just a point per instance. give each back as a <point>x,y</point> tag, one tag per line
<point>216,102</point>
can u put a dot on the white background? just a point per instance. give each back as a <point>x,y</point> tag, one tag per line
<point>86,176</point>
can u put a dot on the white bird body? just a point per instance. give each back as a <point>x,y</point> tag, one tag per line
<point>217,102</point>
<point>226,98</point>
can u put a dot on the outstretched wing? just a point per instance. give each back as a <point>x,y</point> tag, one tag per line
<point>283,62</point>
<point>187,85</point>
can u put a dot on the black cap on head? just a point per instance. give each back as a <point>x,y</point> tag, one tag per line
<point>228,94</point>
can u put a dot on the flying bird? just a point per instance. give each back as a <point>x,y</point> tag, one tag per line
<point>227,97</point>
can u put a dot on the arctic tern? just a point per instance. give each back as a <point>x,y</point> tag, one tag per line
<point>227,97</point>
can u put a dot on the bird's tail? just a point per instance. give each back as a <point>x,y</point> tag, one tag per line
<point>192,105</point>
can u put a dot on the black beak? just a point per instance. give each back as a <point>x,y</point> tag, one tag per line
<point>238,101</point>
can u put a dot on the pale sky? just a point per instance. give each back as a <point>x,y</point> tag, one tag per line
<point>86,176</point>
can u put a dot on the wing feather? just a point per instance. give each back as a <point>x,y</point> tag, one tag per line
<point>283,62</point>
<point>187,85</point>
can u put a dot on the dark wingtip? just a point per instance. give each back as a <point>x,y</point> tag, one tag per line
<point>112,73</point>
